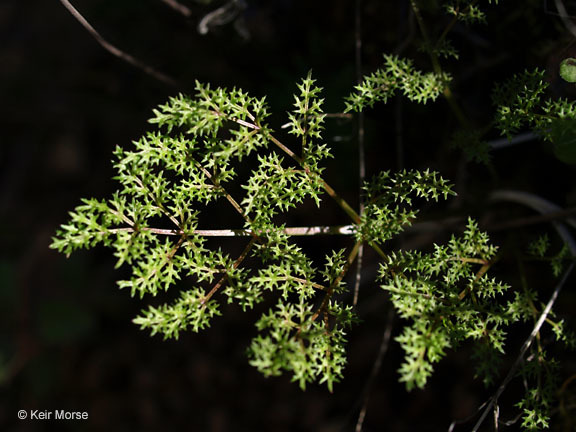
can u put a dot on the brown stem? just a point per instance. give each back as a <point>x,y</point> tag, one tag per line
<point>351,257</point>
<point>226,194</point>
<point>436,66</point>
<point>115,51</point>
<point>167,259</point>
<point>329,190</point>
<point>218,284</point>
<point>178,7</point>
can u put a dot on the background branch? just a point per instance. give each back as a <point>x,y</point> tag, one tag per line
<point>493,400</point>
<point>178,7</point>
<point>149,70</point>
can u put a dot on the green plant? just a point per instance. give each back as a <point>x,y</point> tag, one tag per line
<point>173,173</point>
<point>199,153</point>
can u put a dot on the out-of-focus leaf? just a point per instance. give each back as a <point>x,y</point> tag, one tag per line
<point>568,70</point>
<point>563,134</point>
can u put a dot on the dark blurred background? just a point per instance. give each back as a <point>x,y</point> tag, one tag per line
<point>66,338</point>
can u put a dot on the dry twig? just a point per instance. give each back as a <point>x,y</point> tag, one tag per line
<point>149,70</point>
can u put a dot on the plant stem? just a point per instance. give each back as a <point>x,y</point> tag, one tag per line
<point>351,257</point>
<point>329,190</point>
<point>347,230</point>
<point>238,261</point>
<point>437,68</point>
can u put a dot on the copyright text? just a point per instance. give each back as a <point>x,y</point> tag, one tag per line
<point>52,415</point>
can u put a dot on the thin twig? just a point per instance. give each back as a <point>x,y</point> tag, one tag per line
<point>223,15</point>
<point>341,201</point>
<point>466,419</point>
<point>532,220</point>
<point>518,139</point>
<point>178,7</point>
<point>116,51</point>
<point>524,348</point>
<point>361,156</point>
<point>456,109</point>
<point>375,369</point>
<point>349,260</point>
<point>229,197</point>
<point>541,205</point>
<point>564,16</point>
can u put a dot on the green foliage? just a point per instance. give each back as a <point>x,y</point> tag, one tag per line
<point>169,176</point>
<point>521,104</point>
<point>388,206</point>
<point>445,49</point>
<point>563,137</point>
<point>465,11</point>
<point>217,146</point>
<point>449,299</point>
<point>541,246</point>
<point>540,374</point>
<point>398,74</point>
<point>296,342</point>
<point>190,311</point>
<point>472,145</point>
<point>517,101</point>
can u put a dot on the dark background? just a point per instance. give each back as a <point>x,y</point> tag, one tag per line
<point>67,341</point>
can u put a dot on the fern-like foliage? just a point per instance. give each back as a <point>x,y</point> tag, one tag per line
<point>218,146</point>
<point>169,176</point>
<point>155,224</point>
<point>521,103</point>
<point>448,298</point>
<point>466,11</point>
<point>389,202</point>
<point>397,74</point>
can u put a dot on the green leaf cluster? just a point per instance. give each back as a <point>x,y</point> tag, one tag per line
<point>466,11</point>
<point>389,201</point>
<point>152,221</point>
<point>520,103</point>
<point>471,143</point>
<point>448,298</point>
<point>294,341</point>
<point>540,375</point>
<point>398,74</point>
<point>218,146</point>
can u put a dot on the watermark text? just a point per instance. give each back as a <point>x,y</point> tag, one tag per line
<point>52,415</point>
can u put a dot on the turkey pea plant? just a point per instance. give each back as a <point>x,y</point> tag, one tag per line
<point>192,158</point>
<point>173,172</point>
